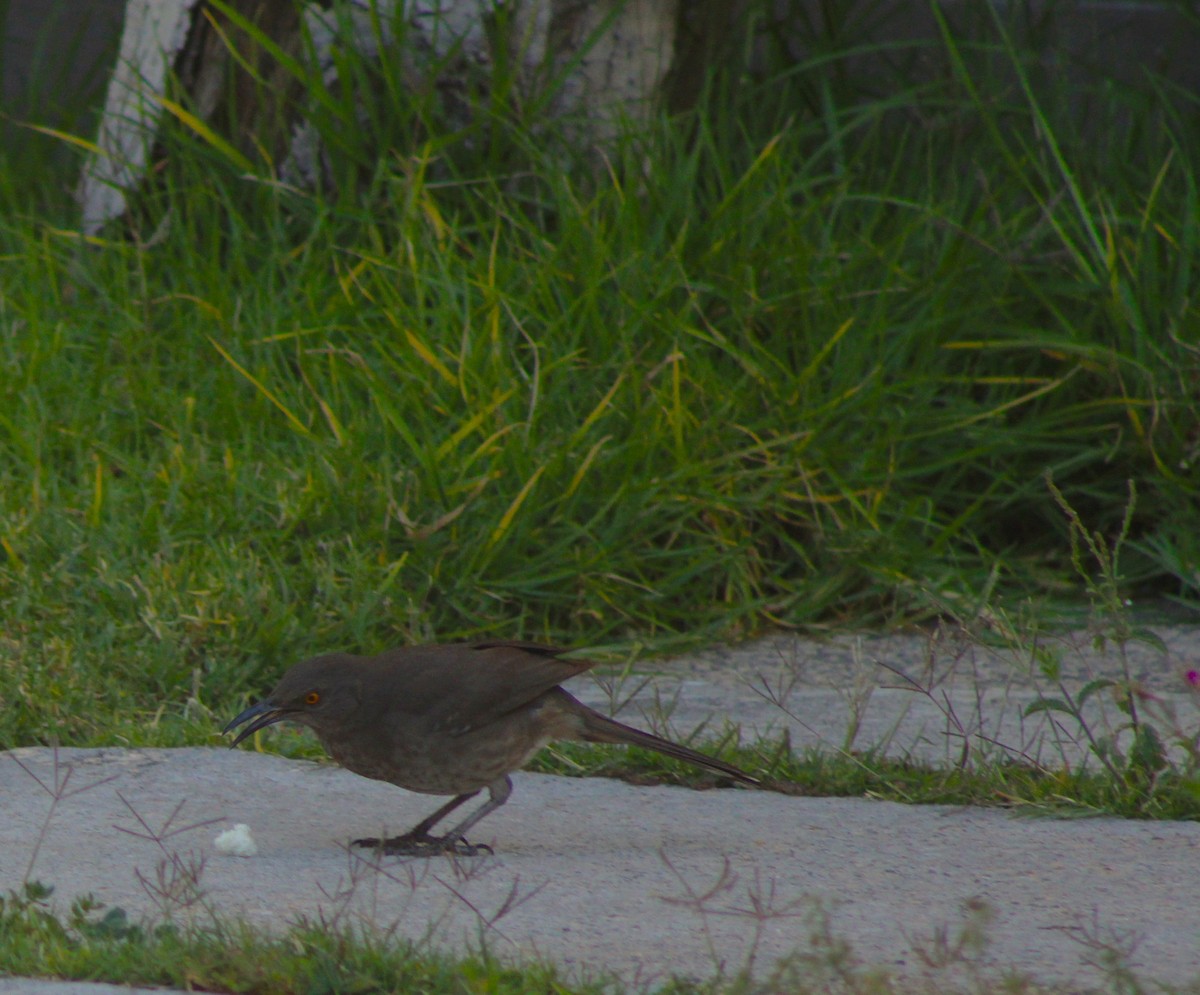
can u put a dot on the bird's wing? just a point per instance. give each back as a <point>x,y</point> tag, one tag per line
<point>461,687</point>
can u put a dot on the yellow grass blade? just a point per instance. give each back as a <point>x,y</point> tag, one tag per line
<point>66,136</point>
<point>583,467</point>
<point>202,130</point>
<point>297,424</point>
<point>600,408</point>
<point>472,423</point>
<point>506,521</point>
<point>426,354</point>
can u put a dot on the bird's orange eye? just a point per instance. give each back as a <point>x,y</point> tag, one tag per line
<point>311,698</point>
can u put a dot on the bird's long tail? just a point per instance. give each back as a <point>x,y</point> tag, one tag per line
<point>598,728</point>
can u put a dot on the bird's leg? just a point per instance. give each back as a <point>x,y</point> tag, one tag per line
<point>498,792</point>
<point>417,842</point>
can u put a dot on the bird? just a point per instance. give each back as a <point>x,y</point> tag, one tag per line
<point>446,719</point>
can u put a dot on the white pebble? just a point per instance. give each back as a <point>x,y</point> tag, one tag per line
<point>236,842</point>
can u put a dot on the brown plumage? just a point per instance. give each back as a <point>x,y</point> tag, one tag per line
<point>447,719</point>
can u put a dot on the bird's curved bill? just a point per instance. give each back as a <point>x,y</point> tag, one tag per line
<point>263,714</point>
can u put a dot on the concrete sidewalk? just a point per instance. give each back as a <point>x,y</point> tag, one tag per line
<point>601,877</point>
<point>601,872</point>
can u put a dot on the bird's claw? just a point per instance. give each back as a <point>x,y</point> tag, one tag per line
<point>410,845</point>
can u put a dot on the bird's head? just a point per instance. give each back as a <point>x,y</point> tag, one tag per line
<point>319,693</point>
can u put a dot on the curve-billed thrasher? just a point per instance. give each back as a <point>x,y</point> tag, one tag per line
<point>446,720</point>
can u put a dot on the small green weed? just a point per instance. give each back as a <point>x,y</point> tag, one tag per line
<point>1151,751</point>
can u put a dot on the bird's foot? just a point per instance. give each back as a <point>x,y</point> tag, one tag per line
<point>423,845</point>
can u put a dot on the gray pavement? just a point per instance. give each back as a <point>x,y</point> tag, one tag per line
<point>599,876</point>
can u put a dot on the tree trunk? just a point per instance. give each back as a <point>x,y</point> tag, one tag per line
<point>606,60</point>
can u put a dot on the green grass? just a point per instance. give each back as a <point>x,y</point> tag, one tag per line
<point>1022,788</point>
<point>233,958</point>
<point>92,943</point>
<point>800,357</point>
